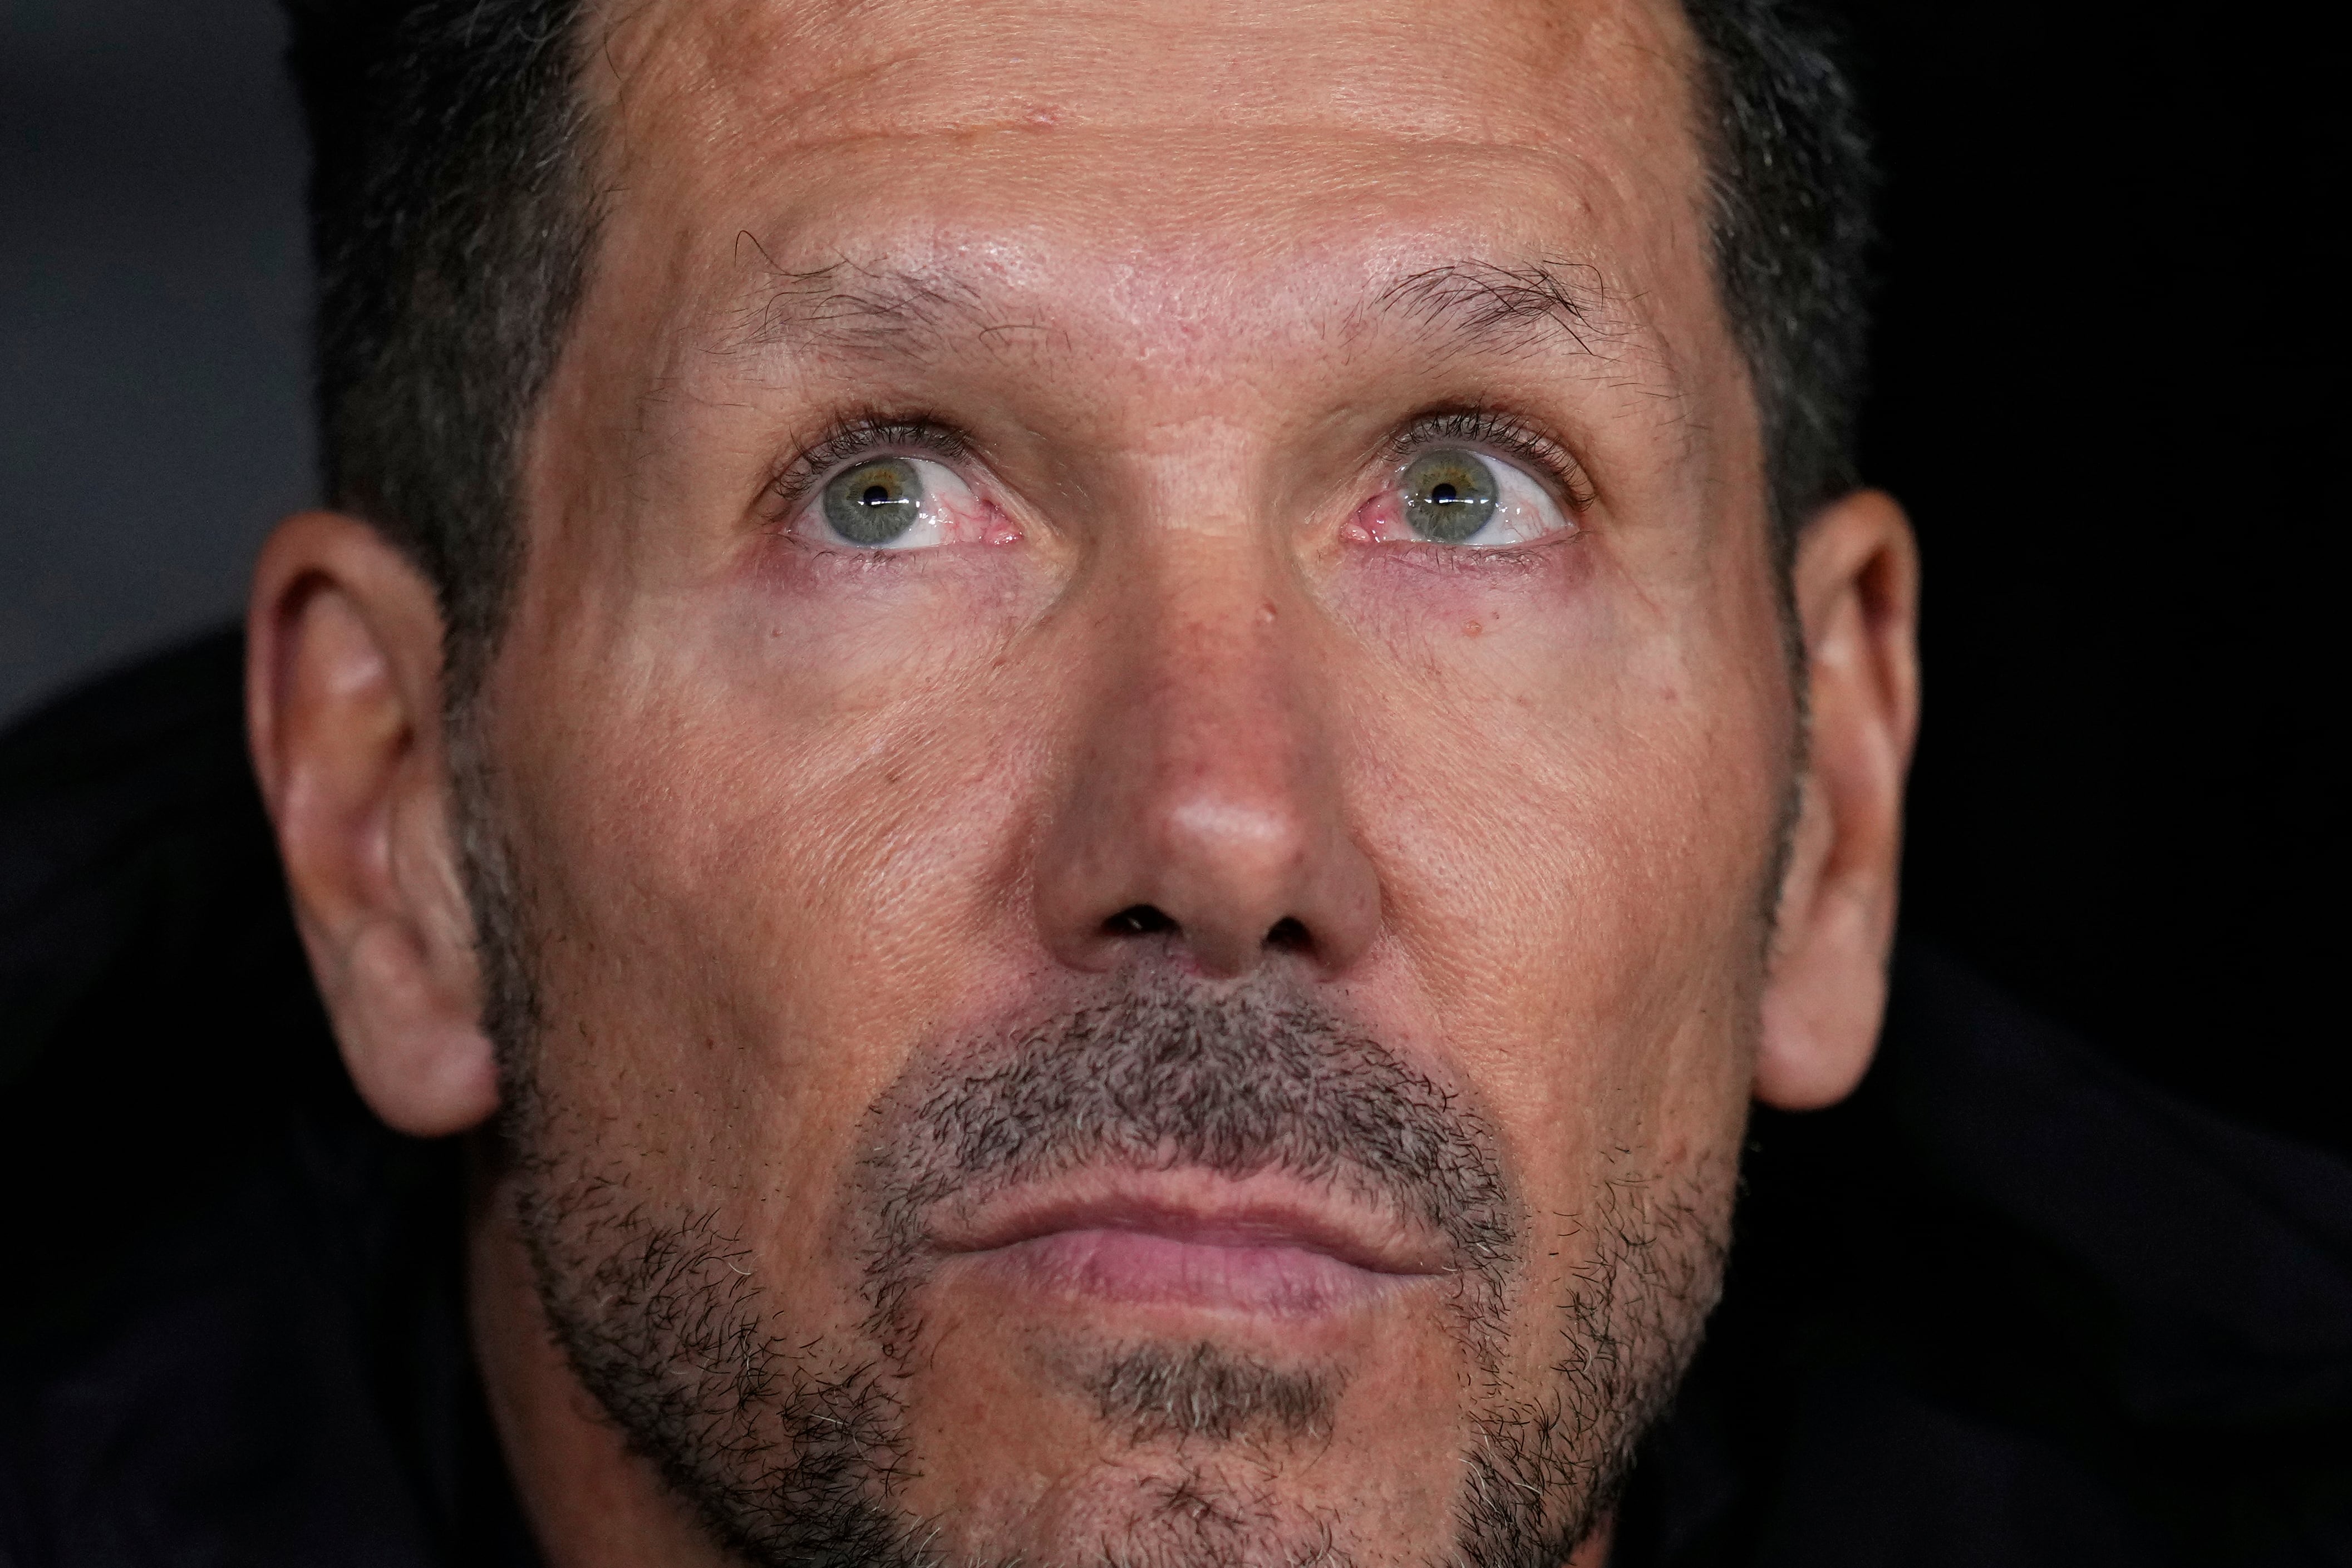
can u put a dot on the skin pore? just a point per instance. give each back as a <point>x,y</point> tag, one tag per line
<point>1175,1011</point>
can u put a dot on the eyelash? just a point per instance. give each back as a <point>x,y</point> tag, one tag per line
<point>1491,428</point>
<point>863,436</point>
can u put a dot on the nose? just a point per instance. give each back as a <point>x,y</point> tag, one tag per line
<point>1202,805</point>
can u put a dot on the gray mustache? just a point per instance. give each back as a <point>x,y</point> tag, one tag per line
<point>1167,1076</point>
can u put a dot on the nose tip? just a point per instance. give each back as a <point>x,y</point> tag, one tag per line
<point>1217,835</point>
<point>1243,872</point>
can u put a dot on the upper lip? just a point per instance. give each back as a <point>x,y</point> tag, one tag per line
<point>1191,1206</point>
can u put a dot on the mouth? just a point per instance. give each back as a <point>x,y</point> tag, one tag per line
<point>1260,1246</point>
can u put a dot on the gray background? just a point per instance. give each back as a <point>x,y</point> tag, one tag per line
<point>152,420</point>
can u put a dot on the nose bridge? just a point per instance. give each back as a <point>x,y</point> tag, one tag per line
<point>1203,791</point>
<point>1211,749</point>
<point>1215,689</point>
<point>1219,655</point>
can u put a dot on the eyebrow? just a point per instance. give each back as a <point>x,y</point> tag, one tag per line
<point>849,305</point>
<point>1474,305</point>
<point>1511,308</point>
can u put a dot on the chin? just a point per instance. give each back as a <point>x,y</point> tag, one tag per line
<point>1212,1458</point>
<point>1058,1416</point>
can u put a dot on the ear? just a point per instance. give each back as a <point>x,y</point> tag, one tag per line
<point>1857,593</point>
<point>343,704</point>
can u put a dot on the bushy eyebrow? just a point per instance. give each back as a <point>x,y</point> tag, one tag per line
<point>1476,305</point>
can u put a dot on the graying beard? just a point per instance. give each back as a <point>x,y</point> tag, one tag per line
<point>788,1457</point>
<point>792,1458</point>
<point>1163,1079</point>
<point>1156,1392</point>
<point>1636,1315</point>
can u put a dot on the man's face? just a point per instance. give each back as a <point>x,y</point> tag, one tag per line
<point>1139,772</point>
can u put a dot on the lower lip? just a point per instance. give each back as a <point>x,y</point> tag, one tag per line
<point>1142,1267</point>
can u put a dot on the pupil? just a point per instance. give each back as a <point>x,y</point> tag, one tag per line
<point>875,496</point>
<point>1443,493</point>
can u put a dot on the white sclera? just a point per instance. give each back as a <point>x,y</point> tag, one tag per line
<point>1524,510</point>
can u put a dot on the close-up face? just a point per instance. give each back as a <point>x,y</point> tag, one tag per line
<point>1128,820</point>
<point>1110,978</point>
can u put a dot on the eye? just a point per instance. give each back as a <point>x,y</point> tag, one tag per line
<point>893,503</point>
<point>1453,496</point>
<point>1449,496</point>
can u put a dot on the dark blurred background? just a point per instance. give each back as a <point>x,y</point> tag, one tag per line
<point>152,316</point>
<point>2105,388</point>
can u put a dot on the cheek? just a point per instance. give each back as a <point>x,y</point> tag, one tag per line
<point>1419,601</point>
<point>841,630</point>
<point>762,864</point>
<point>1572,795</point>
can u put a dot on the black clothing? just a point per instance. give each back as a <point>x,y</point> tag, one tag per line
<point>2005,1307</point>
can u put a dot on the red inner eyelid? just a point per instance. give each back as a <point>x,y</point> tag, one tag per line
<point>1378,519</point>
<point>975,519</point>
<point>967,514</point>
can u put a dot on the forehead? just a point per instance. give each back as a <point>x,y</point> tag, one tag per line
<point>1184,159</point>
<point>1478,71</point>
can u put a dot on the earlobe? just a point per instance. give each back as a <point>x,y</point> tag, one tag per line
<point>1856,582</point>
<point>343,696</point>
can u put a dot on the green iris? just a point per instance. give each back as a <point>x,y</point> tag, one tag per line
<point>874,502</point>
<point>1449,495</point>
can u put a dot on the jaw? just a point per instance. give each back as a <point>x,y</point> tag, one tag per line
<point>745,1329</point>
<point>1007,1430</point>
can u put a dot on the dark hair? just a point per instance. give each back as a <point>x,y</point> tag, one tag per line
<point>453,218</point>
<point>1790,227</point>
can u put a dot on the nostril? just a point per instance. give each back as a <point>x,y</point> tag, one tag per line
<point>1288,935</point>
<point>1138,920</point>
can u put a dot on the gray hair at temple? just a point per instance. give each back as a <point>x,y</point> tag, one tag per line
<point>452,215</point>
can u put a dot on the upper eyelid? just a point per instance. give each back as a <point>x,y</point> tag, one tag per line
<point>1504,432</point>
<point>848,440</point>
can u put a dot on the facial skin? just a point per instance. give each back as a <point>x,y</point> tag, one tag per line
<point>1180,1020</point>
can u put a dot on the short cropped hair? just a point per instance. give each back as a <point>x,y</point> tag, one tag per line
<point>453,213</point>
